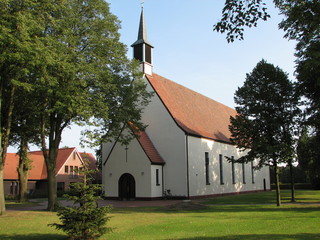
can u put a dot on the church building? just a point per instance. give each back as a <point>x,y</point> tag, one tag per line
<point>184,149</point>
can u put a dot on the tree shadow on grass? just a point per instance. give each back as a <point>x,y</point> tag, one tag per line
<point>33,237</point>
<point>299,208</point>
<point>300,236</point>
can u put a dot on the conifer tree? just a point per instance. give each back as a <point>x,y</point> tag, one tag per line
<point>85,220</point>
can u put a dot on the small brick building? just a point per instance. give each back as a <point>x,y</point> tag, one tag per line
<point>69,160</point>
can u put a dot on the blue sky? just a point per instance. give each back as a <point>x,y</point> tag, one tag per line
<point>188,52</point>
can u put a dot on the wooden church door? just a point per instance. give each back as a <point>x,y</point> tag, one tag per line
<point>127,190</point>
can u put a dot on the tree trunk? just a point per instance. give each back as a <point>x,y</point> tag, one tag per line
<point>292,182</point>
<point>23,187</point>
<point>50,158</point>
<point>2,201</point>
<point>276,174</point>
<point>52,191</point>
<point>4,139</point>
<point>23,170</point>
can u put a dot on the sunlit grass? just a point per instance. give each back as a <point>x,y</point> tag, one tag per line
<point>246,221</point>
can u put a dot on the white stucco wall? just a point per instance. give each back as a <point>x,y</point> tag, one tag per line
<point>156,189</point>
<point>133,161</point>
<point>170,141</point>
<point>197,148</point>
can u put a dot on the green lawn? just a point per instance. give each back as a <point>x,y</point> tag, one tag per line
<point>301,196</point>
<point>299,221</point>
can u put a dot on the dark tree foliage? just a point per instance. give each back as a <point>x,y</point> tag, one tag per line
<point>308,76</point>
<point>24,132</point>
<point>300,175</point>
<point>238,14</point>
<point>265,124</point>
<point>301,22</point>
<point>309,156</point>
<point>301,18</point>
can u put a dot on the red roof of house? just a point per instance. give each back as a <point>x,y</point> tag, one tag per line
<point>194,113</point>
<point>91,159</point>
<point>38,167</point>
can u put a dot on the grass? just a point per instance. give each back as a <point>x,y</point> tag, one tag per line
<point>242,221</point>
<point>14,203</point>
<point>301,196</point>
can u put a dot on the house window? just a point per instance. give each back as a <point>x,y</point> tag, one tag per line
<point>11,188</point>
<point>76,170</point>
<point>252,172</point>
<point>66,169</point>
<point>232,169</point>
<point>207,167</point>
<point>157,177</point>
<point>60,186</point>
<point>221,168</point>
<point>243,173</point>
<point>71,172</point>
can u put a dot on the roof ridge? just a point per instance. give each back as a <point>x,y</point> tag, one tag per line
<point>196,114</point>
<point>191,90</point>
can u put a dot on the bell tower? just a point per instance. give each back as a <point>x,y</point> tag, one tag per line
<point>142,49</point>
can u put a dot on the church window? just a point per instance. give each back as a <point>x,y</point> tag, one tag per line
<point>157,177</point>
<point>252,173</point>
<point>207,168</point>
<point>243,173</point>
<point>233,171</point>
<point>221,169</point>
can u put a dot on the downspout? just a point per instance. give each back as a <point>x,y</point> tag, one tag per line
<point>187,156</point>
<point>163,195</point>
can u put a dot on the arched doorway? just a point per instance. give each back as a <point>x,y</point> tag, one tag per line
<point>127,187</point>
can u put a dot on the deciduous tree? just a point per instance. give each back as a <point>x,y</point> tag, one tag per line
<point>265,124</point>
<point>88,80</point>
<point>301,18</point>
<point>20,48</point>
<point>309,155</point>
<point>79,71</point>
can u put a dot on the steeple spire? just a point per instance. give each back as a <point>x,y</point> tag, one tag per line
<point>142,48</point>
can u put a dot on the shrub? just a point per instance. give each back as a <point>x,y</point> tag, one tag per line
<point>84,220</point>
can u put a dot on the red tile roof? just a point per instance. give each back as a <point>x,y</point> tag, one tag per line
<point>91,159</point>
<point>194,113</point>
<point>38,167</point>
<point>149,149</point>
<point>147,145</point>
